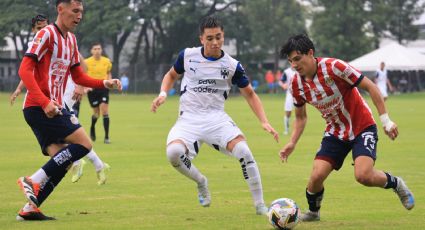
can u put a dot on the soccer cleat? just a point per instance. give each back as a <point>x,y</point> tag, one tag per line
<point>310,216</point>
<point>405,195</point>
<point>34,215</point>
<point>29,189</point>
<point>77,171</point>
<point>261,209</point>
<point>107,141</point>
<point>101,174</point>
<point>92,133</point>
<point>204,194</point>
<point>285,132</point>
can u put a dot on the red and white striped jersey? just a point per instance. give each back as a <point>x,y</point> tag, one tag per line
<point>56,54</point>
<point>333,92</point>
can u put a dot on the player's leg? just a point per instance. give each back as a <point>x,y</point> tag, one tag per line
<point>286,121</point>
<point>94,118</point>
<point>288,108</point>
<point>104,110</point>
<point>179,157</point>
<point>100,166</point>
<point>364,154</point>
<point>240,150</point>
<point>330,157</point>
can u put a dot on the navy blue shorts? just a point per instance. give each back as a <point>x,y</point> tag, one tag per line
<point>334,150</point>
<point>50,130</point>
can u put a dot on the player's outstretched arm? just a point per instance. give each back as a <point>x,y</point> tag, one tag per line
<point>167,83</point>
<point>257,107</point>
<point>299,125</point>
<point>16,93</point>
<point>390,127</point>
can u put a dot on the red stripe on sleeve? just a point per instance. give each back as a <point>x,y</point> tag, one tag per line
<point>26,73</point>
<point>83,79</point>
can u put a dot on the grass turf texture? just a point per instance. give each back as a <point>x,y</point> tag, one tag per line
<point>144,192</point>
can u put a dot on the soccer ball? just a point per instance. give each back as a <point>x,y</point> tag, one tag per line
<point>284,214</point>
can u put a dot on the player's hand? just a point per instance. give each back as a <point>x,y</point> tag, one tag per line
<point>286,151</point>
<point>113,84</point>
<point>157,102</point>
<point>392,132</point>
<point>270,129</point>
<point>52,109</point>
<point>14,95</point>
<point>78,93</point>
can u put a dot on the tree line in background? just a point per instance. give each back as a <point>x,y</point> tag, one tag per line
<point>156,30</point>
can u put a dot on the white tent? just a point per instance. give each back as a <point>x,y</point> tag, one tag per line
<point>395,56</point>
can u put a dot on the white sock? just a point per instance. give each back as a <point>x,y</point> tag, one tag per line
<point>98,164</point>
<point>28,208</point>
<point>39,176</point>
<point>77,162</point>
<point>250,171</point>
<point>178,159</point>
<point>286,120</point>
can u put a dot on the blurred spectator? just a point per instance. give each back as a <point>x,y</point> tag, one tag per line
<point>125,83</point>
<point>269,77</point>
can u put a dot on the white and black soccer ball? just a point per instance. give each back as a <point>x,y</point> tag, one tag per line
<point>284,214</point>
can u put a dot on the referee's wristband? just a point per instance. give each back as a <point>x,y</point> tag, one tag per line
<point>386,122</point>
<point>162,94</point>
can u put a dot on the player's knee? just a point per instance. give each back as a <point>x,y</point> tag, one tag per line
<point>174,151</point>
<point>242,152</point>
<point>364,178</point>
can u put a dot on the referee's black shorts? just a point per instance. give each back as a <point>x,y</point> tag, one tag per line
<point>98,96</point>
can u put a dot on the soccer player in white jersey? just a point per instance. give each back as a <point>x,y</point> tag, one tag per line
<point>284,83</point>
<point>45,70</point>
<point>382,81</point>
<point>209,73</point>
<point>330,85</point>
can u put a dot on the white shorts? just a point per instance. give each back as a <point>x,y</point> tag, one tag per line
<point>216,129</point>
<point>383,89</point>
<point>289,102</point>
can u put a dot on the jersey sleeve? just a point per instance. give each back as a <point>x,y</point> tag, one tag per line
<point>109,65</point>
<point>179,64</point>
<point>284,78</point>
<point>39,45</point>
<point>239,78</point>
<point>294,89</point>
<point>348,73</point>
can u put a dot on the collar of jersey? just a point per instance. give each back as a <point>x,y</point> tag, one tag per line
<point>57,27</point>
<point>211,58</point>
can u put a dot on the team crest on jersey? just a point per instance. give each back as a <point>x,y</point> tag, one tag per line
<point>224,72</point>
<point>329,81</point>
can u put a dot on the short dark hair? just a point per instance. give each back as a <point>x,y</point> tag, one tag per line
<point>209,22</point>
<point>300,43</point>
<point>39,18</point>
<point>96,44</point>
<point>66,1</point>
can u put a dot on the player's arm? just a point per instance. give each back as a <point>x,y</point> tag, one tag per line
<point>83,79</point>
<point>283,82</point>
<point>299,125</point>
<point>257,107</point>
<point>390,127</point>
<point>167,83</point>
<point>17,91</point>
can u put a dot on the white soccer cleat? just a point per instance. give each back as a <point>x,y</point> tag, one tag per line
<point>261,209</point>
<point>405,195</point>
<point>77,171</point>
<point>204,195</point>
<point>101,175</point>
<point>310,216</point>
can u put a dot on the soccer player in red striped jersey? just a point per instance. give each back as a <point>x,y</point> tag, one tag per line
<point>49,61</point>
<point>330,85</point>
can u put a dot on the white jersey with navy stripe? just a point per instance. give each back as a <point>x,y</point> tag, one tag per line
<point>206,82</point>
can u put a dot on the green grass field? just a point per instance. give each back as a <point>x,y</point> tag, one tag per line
<point>144,192</point>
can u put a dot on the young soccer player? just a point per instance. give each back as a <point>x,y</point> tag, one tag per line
<point>284,83</point>
<point>45,70</point>
<point>330,85</point>
<point>72,95</point>
<point>209,73</point>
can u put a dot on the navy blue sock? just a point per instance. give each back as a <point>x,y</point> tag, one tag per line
<point>391,181</point>
<point>48,188</point>
<point>314,200</point>
<point>58,164</point>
